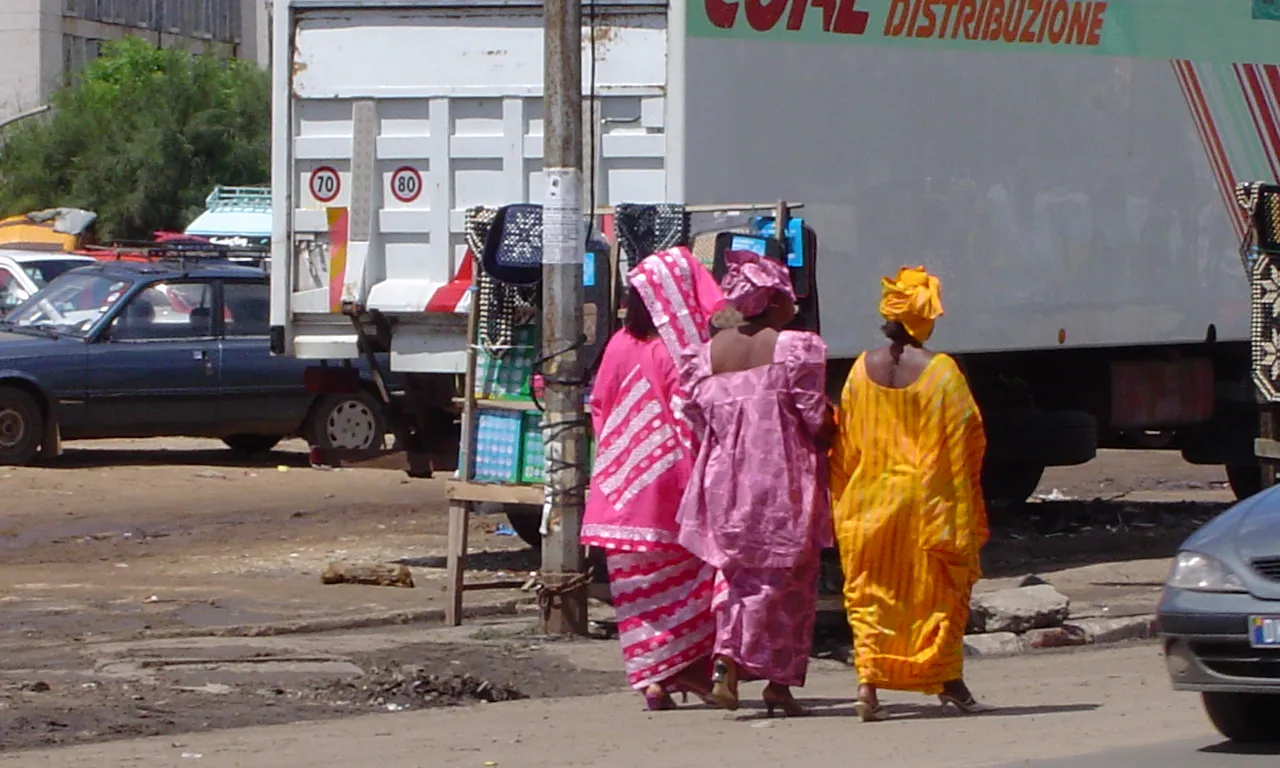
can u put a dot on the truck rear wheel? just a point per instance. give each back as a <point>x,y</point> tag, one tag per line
<point>1011,483</point>
<point>1245,480</point>
<point>1021,442</point>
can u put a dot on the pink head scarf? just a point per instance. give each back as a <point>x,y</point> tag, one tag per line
<point>681,296</point>
<point>752,281</point>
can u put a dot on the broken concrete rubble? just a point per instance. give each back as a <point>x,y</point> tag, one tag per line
<point>1018,610</point>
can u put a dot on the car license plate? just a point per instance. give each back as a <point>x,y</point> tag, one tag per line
<point>1264,631</point>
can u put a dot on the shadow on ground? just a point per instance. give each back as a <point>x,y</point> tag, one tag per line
<point>82,458</point>
<point>1234,748</point>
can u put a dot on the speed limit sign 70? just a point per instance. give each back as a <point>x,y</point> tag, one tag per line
<point>325,184</point>
<point>406,184</point>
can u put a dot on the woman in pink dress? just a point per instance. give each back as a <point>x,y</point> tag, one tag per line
<point>756,508</point>
<point>644,457</point>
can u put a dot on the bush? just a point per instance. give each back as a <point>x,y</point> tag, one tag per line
<point>141,136</point>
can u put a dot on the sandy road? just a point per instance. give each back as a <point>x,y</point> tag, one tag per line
<point>1084,706</point>
<point>121,544</point>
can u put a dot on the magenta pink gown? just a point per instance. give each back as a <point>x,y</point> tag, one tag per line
<point>757,507</point>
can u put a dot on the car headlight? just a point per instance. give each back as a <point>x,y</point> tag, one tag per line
<point>1201,573</point>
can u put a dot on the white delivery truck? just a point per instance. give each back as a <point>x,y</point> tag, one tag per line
<point>1066,166</point>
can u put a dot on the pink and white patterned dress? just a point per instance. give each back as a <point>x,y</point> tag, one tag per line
<point>644,458</point>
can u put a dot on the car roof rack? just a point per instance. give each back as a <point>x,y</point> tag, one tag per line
<point>184,251</point>
<point>239,199</point>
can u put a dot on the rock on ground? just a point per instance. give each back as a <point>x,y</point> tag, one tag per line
<point>994,644</point>
<point>1018,610</point>
<point>1117,630</point>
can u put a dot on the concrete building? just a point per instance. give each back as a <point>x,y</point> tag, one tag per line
<point>42,40</point>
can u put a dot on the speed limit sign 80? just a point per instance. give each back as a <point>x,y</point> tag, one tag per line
<point>325,184</point>
<point>406,184</point>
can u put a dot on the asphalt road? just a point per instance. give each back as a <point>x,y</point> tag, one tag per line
<point>1197,753</point>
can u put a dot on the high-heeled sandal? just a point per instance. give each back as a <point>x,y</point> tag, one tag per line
<point>724,684</point>
<point>965,706</point>
<point>869,711</point>
<point>788,704</point>
<point>657,699</point>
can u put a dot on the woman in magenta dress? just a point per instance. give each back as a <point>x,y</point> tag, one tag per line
<point>644,457</point>
<point>756,507</point>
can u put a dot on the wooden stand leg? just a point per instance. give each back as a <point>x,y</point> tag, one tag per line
<point>459,517</point>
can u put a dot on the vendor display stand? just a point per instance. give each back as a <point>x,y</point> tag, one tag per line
<point>467,490</point>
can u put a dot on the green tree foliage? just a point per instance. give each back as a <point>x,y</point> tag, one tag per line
<point>141,136</point>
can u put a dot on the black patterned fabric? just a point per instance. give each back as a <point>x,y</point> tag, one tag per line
<point>513,248</point>
<point>644,229</point>
<point>498,303</point>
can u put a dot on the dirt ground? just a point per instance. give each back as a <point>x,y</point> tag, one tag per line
<point>160,587</point>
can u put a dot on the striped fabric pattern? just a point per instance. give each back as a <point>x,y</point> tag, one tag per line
<point>910,522</point>
<point>663,606</point>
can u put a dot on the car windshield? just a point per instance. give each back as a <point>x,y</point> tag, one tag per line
<point>71,304</point>
<point>43,272</point>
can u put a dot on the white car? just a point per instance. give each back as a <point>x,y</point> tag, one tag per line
<point>23,272</point>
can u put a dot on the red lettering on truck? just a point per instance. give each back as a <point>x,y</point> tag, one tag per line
<point>839,17</point>
<point>1057,22</point>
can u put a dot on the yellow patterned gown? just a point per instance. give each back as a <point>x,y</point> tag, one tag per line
<point>909,522</point>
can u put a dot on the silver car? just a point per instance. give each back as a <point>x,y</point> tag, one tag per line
<point>1219,618</point>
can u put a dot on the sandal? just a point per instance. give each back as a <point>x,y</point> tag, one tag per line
<point>657,699</point>
<point>724,688</point>
<point>780,697</point>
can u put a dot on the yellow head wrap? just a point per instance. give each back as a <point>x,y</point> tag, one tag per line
<point>913,298</point>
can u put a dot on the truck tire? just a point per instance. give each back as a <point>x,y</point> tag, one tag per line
<point>1245,480</point>
<point>526,522</point>
<point>21,427</point>
<point>1030,437</point>
<point>1010,483</point>
<point>251,445</point>
<point>350,422</point>
<point>1248,718</point>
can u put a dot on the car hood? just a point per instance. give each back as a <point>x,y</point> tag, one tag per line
<point>1248,531</point>
<point>17,346</point>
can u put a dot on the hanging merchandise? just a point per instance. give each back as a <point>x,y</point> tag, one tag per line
<point>803,276</point>
<point>802,263</point>
<point>642,229</point>
<point>509,376</point>
<point>499,303</point>
<point>513,248</point>
<point>596,315</point>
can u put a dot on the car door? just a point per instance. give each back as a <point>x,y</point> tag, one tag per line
<point>154,369</point>
<point>261,392</point>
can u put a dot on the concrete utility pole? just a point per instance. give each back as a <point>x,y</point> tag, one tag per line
<point>564,247</point>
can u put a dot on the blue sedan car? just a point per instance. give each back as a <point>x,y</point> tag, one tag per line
<point>1219,619</point>
<point>155,349</point>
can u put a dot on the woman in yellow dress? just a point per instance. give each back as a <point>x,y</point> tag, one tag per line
<point>909,516</point>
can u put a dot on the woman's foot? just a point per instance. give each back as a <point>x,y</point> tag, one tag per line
<point>868,705</point>
<point>724,683</point>
<point>779,697</point>
<point>956,694</point>
<point>657,699</point>
<point>688,681</point>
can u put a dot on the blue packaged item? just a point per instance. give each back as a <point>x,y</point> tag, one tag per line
<point>497,446</point>
<point>795,237</point>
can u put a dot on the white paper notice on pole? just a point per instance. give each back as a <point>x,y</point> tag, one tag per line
<point>562,241</point>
